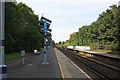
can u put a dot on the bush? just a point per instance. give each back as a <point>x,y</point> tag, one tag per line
<point>107,47</point>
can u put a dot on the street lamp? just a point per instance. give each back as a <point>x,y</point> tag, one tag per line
<point>45,23</point>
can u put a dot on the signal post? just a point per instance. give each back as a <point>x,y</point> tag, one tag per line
<point>45,23</point>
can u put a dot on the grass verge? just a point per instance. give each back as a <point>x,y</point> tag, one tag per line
<point>11,56</point>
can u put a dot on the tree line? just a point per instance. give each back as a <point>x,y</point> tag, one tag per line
<point>22,28</point>
<point>104,32</point>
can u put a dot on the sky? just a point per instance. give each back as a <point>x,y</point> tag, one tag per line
<point>68,15</point>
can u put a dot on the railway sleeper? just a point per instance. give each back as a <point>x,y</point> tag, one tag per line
<point>103,69</point>
<point>108,60</point>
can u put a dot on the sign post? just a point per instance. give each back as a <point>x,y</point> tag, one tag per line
<point>22,54</point>
<point>46,31</point>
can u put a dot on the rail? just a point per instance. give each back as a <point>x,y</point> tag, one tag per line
<point>106,66</point>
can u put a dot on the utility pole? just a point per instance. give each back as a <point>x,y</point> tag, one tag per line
<point>3,67</point>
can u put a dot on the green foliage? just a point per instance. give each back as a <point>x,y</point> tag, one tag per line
<point>12,56</point>
<point>105,31</point>
<point>53,43</point>
<point>22,28</point>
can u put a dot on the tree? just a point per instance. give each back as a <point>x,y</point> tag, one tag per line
<point>105,31</point>
<point>22,28</point>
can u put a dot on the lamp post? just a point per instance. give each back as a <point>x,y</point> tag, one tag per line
<point>3,67</point>
<point>45,23</point>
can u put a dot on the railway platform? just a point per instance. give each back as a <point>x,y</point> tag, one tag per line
<point>68,68</point>
<point>101,53</point>
<point>33,67</point>
<point>59,67</point>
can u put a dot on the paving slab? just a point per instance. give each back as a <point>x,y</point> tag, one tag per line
<point>33,67</point>
<point>60,67</point>
<point>68,68</point>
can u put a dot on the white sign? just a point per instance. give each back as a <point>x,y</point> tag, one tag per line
<point>22,53</point>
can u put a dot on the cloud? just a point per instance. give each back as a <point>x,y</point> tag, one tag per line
<point>63,33</point>
<point>68,15</point>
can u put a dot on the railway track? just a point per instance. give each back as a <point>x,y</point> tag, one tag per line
<point>96,68</point>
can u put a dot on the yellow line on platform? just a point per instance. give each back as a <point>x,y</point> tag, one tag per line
<point>59,64</point>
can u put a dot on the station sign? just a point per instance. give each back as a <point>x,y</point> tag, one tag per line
<point>49,30</point>
<point>42,24</point>
<point>45,19</point>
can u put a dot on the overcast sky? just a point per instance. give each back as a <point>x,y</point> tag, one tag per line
<point>68,15</point>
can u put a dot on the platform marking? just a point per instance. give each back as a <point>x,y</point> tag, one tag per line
<point>59,64</point>
<point>78,67</point>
